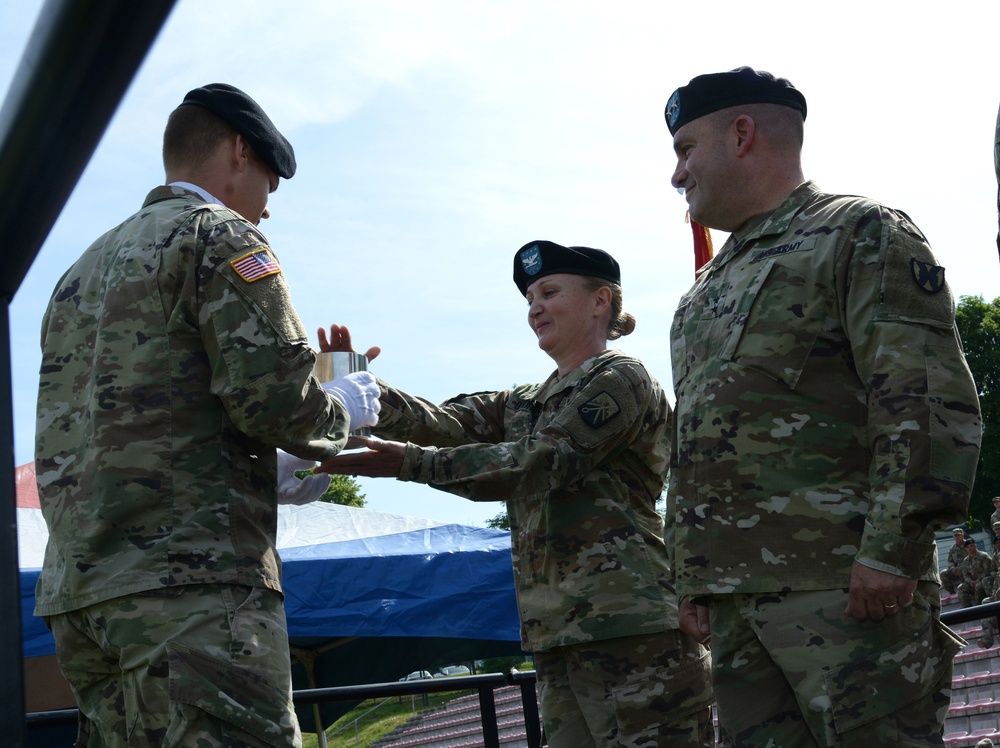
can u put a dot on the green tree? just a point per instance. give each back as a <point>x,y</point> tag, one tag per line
<point>979,324</point>
<point>343,490</point>
<point>499,522</point>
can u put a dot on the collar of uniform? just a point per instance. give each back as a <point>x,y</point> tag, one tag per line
<point>172,192</point>
<point>774,223</point>
<point>556,384</point>
<point>779,220</point>
<point>205,195</point>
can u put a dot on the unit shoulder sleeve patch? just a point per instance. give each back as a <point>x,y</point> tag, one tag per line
<point>599,409</point>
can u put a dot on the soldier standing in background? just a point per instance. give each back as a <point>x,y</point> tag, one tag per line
<point>995,517</point>
<point>990,624</point>
<point>580,460</point>
<point>952,576</point>
<point>977,575</point>
<point>826,427</point>
<point>173,368</point>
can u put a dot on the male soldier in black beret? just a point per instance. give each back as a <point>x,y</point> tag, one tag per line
<point>175,375</point>
<point>826,427</point>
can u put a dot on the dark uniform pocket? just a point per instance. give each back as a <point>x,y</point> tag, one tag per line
<point>665,704</point>
<point>777,329</point>
<point>880,685</point>
<point>250,709</point>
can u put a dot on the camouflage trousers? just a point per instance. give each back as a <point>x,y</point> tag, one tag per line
<point>647,691</point>
<point>197,666</point>
<point>792,670</point>
<point>974,593</point>
<point>951,577</point>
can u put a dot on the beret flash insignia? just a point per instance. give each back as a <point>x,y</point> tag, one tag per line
<point>673,108</point>
<point>531,260</point>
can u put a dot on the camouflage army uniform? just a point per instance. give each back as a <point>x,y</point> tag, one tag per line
<point>580,461</point>
<point>977,579</point>
<point>996,568</point>
<point>825,415</point>
<point>990,624</point>
<point>173,365</point>
<point>952,576</point>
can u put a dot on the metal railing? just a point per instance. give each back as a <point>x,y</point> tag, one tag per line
<point>964,615</point>
<point>485,685</point>
<point>356,722</point>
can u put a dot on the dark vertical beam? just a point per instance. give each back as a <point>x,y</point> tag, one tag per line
<point>12,681</point>
<point>488,712</point>
<point>78,63</point>
<point>526,679</point>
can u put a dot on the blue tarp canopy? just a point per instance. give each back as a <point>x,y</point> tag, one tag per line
<point>369,596</point>
<point>350,572</point>
<point>436,581</point>
<point>445,581</point>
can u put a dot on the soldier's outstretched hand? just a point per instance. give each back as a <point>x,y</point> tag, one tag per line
<point>382,459</point>
<point>339,339</point>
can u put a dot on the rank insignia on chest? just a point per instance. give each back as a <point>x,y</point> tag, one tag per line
<point>928,277</point>
<point>256,265</point>
<point>598,410</point>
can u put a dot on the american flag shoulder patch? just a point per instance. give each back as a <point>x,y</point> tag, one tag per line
<point>256,265</point>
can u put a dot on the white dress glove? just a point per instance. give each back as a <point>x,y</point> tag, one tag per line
<point>292,490</point>
<point>358,392</point>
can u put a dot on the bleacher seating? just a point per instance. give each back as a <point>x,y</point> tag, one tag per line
<point>457,724</point>
<point>975,698</point>
<point>974,713</point>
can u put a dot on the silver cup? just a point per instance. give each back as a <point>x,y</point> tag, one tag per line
<point>335,364</point>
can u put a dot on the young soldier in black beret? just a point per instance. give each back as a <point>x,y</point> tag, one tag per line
<point>248,119</point>
<point>175,374</point>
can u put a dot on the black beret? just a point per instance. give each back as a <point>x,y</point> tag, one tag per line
<point>714,91</point>
<point>250,121</point>
<point>970,541</point>
<point>540,258</point>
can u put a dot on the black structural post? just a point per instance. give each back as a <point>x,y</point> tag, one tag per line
<point>12,683</point>
<point>529,702</point>
<point>75,69</point>
<point>488,710</point>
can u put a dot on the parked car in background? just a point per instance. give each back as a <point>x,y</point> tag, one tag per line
<point>417,675</point>
<point>449,670</point>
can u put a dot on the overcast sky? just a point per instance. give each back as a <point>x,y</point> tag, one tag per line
<point>435,138</point>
